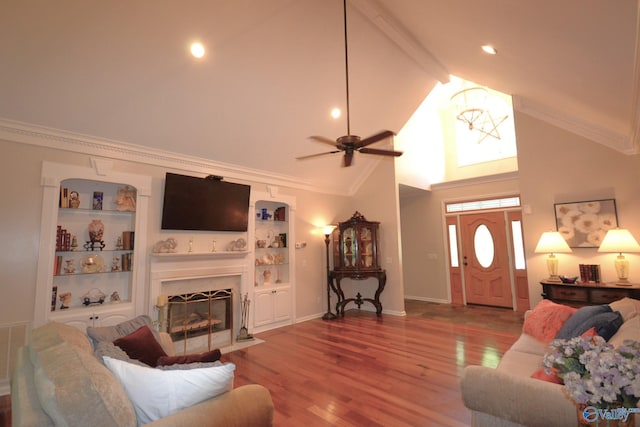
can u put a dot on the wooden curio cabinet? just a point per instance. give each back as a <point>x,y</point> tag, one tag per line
<point>356,256</point>
<point>356,245</point>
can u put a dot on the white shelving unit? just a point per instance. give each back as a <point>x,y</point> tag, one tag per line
<point>272,239</point>
<point>82,269</point>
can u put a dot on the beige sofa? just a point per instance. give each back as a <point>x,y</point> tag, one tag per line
<point>58,381</point>
<point>508,396</point>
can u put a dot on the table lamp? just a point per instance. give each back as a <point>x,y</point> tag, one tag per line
<point>552,242</point>
<point>620,240</point>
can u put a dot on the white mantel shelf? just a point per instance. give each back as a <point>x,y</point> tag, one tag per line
<point>177,256</point>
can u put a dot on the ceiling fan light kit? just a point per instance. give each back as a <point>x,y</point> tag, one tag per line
<point>348,143</point>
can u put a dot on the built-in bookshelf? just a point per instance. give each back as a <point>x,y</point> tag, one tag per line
<point>274,287</point>
<point>91,267</point>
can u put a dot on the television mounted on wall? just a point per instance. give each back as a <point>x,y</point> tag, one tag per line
<point>204,204</point>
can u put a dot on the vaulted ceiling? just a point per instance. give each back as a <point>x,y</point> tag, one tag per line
<point>121,71</point>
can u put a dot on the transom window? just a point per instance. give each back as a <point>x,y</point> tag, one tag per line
<point>478,205</point>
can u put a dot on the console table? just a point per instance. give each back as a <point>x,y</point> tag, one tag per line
<point>337,276</point>
<point>579,294</point>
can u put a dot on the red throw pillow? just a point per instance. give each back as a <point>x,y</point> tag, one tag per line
<point>553,377</point>
<point>208,356</point>
<point>141,345</point>
<point>546,319</point>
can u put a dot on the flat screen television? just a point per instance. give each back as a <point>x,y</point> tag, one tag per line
<point>204,204</point>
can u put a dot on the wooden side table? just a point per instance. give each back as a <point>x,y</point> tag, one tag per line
<point>579,294</point>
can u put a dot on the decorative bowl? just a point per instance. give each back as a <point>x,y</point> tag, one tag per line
<point>566,279</point>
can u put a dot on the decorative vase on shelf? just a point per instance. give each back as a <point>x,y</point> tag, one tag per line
<point>96,231</point>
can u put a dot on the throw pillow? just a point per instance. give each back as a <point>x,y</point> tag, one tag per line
<point>105,348</point>
<point>553,377</point>
<point>112,333</point>
<point>157,393</point>
<point>605,324</point>
<point>207,356</point>
<point>546,319</point>
<point>186,366</point>
<point>142,345</point>
<point>628,307</point>
<point>629,330</point>
<point>578,323</point>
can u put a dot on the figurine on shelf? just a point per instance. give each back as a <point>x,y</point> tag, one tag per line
<point>126,199</point>
<point>70,268</point>
<point>267,276</point>
<point>65,300</point>
<point>74,243</point>
<point>165,246</point>
<point>74,200</point>
<point>115,297</point>
<point>115,263</point>
<point>119,245</point>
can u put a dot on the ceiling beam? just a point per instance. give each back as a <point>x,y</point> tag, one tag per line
<point>395,31</point>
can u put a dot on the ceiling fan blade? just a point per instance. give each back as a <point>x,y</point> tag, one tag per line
<point>374,138</point>
<point>323,140</point>
<point>347,160</point>
<point>310,156</point>
<point>380,152</point>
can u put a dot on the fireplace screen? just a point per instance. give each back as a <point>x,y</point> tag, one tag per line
<point>199,313</point>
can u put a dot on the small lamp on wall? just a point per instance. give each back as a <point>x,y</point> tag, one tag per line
<point>327,230</point>
<point>620,240</point>
<point>552,242</point>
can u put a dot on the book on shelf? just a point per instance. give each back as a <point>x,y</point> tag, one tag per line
<point>128,239</point>
<point>64,198</point>
<point>590,273</point>
<point>54,297</point>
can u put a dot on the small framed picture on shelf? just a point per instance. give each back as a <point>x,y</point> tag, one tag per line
<point>584,224</point>
<point>97,200</point>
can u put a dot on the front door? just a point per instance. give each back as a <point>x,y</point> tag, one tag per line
<point>485,257</point>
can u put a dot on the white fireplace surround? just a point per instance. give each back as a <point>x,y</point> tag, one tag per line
<point>179,273</point>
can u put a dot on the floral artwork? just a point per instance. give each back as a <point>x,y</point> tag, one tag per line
<point>584,224</point>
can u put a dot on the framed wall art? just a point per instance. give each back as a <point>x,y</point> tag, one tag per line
<point>584,224</point>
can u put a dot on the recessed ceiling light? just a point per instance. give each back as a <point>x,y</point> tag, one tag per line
<point>336,113</point>
<point>197,50</point>
<point>487,48</point>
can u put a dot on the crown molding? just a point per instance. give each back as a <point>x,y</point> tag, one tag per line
<point>506,176</point>
<point>42,136</point>
<point>589,130</point>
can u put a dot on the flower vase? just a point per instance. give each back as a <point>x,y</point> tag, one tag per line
<point>588,416</point>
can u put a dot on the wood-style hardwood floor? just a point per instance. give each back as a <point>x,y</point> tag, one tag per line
<point>368,371</point>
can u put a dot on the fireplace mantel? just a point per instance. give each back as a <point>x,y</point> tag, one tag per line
<point>177,256</point>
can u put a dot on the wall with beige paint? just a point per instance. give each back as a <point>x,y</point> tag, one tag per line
<point>556,166</point>
<point>424,250</point>
<point>20,170</point>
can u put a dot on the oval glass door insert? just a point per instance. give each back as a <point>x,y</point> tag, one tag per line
<point>483,246</point>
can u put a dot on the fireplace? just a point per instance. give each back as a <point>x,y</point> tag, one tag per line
<point>200,314</point>
<point>201,292</point>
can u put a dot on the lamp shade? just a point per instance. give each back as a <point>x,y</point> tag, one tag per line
<point>619,240</point>
<point>552,242</point>
<point>328,229</point>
